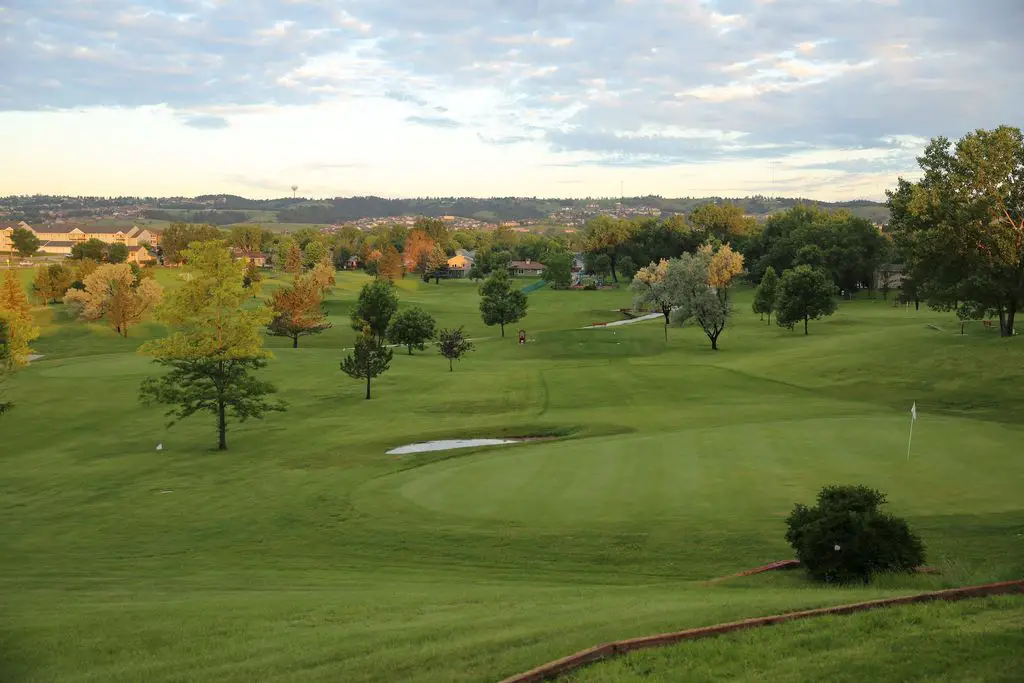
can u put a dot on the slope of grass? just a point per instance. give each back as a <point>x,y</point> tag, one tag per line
<point>306,553</point>
<point>975,640</point>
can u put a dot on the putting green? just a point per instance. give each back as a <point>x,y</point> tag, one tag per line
<point>706,475</point>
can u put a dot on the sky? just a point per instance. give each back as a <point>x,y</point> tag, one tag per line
<point>828,99</point>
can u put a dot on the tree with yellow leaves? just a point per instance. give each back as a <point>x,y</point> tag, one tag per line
<point>114,293</point>
<point>217,344</point>
<point>52,281</point>
<point>390,265</point>
<point>659,285</point>
<point>322,276</point>
<point>418,247</point>
<point>17,329</point>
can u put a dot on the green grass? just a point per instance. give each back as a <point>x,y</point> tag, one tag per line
<point>914,643</point>
<point>305,553</point>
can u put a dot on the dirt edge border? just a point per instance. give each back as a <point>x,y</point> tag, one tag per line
<point>600,652</point>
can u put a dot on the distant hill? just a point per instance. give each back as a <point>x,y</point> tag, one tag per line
<point>226,209</point>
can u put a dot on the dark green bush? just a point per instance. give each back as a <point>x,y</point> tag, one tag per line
<point>846,538</point>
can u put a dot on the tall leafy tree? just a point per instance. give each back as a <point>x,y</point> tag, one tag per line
<point>216,346</point>
<point>389,266</point>
<point>558,270</point>
<point>609,236</point>
<point>765,293</point>
<point>117,253</point>
<point>418,247</point>
<point>6,362</point>
<point>704,280</point>
<point>92,249</point>
<point>370,358</point>
<point>177,238</point>
<point>253,279</point>
<point>12,297</point>
<point>314,253</point>
<point>804,294</point>
<point>293,259</point>
<point>113,293</point>
<point>18,331</point>
<point>500,304</point>
<point>52,281</point>
<point>961,226</point>
<point>725,222</point>
<point>376,305</point>
<point>412,328</point>
<point>25,241</point>
<point>453,345</point>
<point>298,310</point>
<point>323,275</point>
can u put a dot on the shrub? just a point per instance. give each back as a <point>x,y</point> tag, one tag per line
<point>846,538</point>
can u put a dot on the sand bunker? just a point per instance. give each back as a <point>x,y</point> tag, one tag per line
<point>449,444</point>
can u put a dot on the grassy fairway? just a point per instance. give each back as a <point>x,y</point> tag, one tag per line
<point>306,554</point>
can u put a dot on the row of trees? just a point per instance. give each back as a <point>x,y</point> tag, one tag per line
<point>802,293</point>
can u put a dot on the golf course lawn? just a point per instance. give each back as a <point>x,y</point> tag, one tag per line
<point>305,553</point>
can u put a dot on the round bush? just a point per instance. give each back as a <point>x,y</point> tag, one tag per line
<point>846,538</point>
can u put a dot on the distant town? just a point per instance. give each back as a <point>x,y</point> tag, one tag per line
<point>520,214</point>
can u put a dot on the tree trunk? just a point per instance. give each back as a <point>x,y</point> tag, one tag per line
<point>805,324</point>
<point>917,304</point>
<point>367,386</point>
<point>502,329</point>
<point>1006,320</point>
<point>451,367</point>
<point>222,428</point>
<point>410,348</point>
<point>615,278</point>
<point>769,317</point>
<point>714,343</point>
<point>295,342</point>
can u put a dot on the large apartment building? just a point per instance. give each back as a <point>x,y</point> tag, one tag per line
<point>60,238</point>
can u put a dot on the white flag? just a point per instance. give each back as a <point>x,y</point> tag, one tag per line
<point>913,411</point>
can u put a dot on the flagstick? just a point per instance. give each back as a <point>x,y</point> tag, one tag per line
<point>911,439</point>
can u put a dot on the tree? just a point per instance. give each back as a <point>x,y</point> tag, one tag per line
<point>216,347</point>
<point>961,227</point>
<point>845,537</point>
<point>724,222</point>
<point>436,264</point>
<point>375,307</point>
<point>6,364</point>
<point>412,328</point>
<point>52,281</point>
<point>83,269</point>
<point>17,331</point>
<point>390,264</point>
<point>500,304</point>
<point>658,285</point>
<point>248,239</point>
<point>93,249</point>
<point>435,229</point>
<point>117,253</point>
<point>608,236</point>
<point>323,276</point>
<point>13,298</point>
<point>803,294</point>
<point>314,253</point>
<point>704,290</point>
<point>298,310</point>
<point>627,267</point>
<point>177,238</point>
<point>370,358</point>
<point>475,273</point>
<point>765,293</point>
<point>253,278</point>
<point>113,293</point>
<point>25,241</point>
<point>558,271</point>
<point>293,259</point>
<point>602,265</point>
<point>418,247</point>
<point>453,345</point>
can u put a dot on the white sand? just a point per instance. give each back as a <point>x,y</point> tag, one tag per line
<point>447,444</point>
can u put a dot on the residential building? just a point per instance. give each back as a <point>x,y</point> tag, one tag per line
<point>526,267</point>
<point>460,264</point>
<point>58,240</point>
<point>257,258</point>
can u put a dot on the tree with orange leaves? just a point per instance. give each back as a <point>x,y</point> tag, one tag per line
<point>418,246</point>
<point>298,310</point>
<point>390,265</point>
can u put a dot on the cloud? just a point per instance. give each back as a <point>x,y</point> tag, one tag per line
<point>599,79</point>
<point>204,122</point>
<point>434,121</point>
